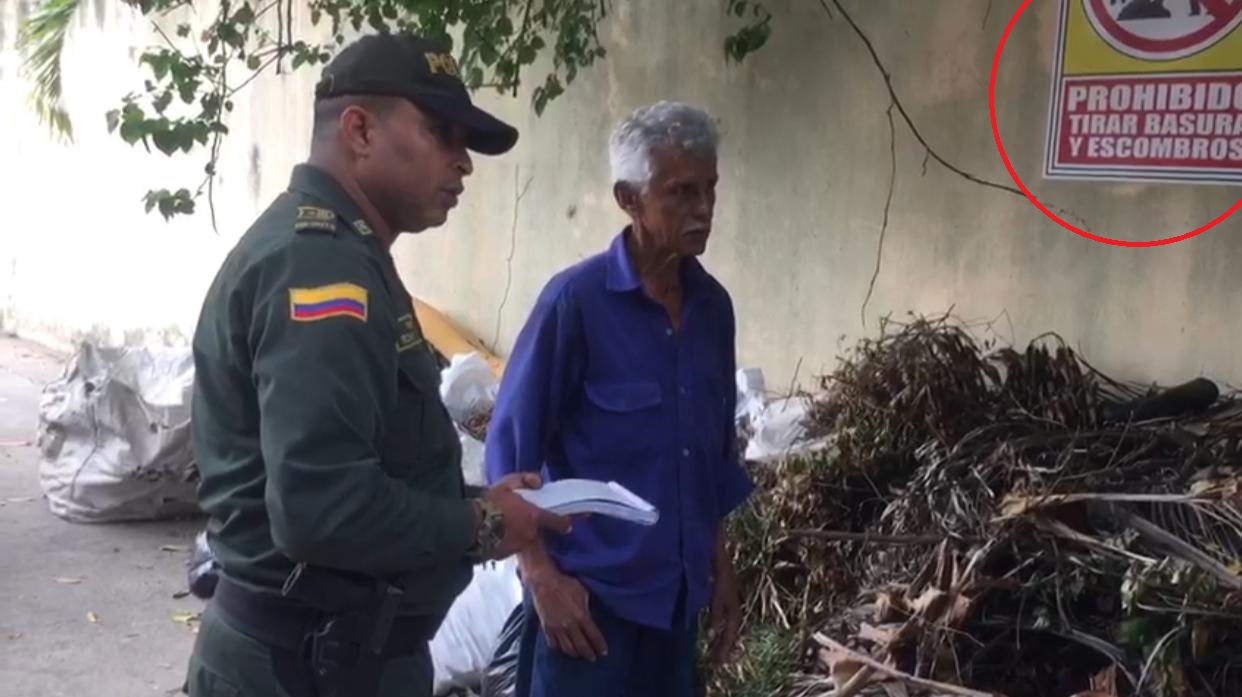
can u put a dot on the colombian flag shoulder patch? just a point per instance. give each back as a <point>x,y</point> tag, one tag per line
<point>323,302</point>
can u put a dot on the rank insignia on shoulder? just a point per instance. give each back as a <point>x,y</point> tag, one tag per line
<point>323,302</point>
<point>362,228</point>
<point>314,218</point>
<point>409,336</point>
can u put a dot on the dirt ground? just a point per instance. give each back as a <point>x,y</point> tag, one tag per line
<point>84,609</point>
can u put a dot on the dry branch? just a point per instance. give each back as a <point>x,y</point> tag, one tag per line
<point>1180,548</point>
<point>897,674</point>
<point>868,538</point>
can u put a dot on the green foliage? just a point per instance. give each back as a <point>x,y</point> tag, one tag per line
<point>170,203</point>
<point>767,657</point>
<point>41,39</point>
<point>752,36</point>
<point>192,79</point>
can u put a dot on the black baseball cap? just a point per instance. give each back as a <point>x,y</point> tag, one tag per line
<point>424,72</point>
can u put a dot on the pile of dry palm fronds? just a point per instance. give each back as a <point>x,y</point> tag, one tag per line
<point>996,522</point>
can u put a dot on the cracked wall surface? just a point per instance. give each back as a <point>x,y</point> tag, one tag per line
<point>806,169</point>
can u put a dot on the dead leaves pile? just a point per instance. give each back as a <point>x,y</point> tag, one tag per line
<point>1002,522</point>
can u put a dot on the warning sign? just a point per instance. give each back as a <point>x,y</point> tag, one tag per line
<point>1147,90</point>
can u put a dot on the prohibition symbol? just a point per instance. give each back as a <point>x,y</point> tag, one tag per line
<point>1162,30</point>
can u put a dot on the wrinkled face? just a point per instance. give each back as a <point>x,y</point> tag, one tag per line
<point>675,209</point>
<point>411,165</point>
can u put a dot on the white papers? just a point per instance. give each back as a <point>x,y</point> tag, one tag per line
<point>572,496</point>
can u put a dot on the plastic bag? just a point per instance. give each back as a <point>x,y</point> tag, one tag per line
<point>778,429</point>
<point>751,395</point>
<point>464,645</point>
<point>114,434</point>
<point>468,387</point>
<point>204,571</point>
<point>471,459</point>
<point>500,680</point>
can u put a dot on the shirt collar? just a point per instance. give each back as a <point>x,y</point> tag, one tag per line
<point>622,277</point>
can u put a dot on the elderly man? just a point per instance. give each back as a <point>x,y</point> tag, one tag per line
<point>330,469</point>
<point>625,372</point>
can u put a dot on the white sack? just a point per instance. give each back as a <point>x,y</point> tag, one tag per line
<point>466,641</point>
<point>751,395</point>
<point>471,459</point>
<point>779,429</point>
<point>114,434</point>
<point>468,386</point>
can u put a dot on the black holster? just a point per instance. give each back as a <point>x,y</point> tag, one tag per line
<point>347,651</point>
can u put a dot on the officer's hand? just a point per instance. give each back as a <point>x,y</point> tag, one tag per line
<point>519,480</point>
<point>523,521</point>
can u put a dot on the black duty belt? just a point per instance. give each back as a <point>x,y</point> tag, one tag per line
<point>278,621</point>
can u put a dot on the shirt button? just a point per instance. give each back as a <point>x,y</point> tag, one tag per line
<point>685,452</point>
<point>668,331</point>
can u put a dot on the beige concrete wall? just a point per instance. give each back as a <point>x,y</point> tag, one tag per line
<point>805,177</point>
<point>78,254</point>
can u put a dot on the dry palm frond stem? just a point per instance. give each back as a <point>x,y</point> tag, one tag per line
<point>1001,521</point>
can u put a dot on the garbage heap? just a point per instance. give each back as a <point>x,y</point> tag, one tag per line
<point>993,521</point>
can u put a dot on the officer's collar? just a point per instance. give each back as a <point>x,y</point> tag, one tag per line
<point>318,183</point>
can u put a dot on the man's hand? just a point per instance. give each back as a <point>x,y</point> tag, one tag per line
<point>563,606</point>
<point>725,619</point>
<point>523,521</point>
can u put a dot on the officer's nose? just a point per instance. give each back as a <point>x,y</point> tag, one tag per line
<point>465,164</point>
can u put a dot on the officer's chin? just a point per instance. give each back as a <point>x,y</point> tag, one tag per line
<point>434,220</point>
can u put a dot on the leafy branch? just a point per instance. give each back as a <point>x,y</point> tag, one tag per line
<point>41,39</point>
<point>752,36</point>
<point>187,94</point>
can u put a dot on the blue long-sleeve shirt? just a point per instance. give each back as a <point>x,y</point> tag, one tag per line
<point>601,386</point>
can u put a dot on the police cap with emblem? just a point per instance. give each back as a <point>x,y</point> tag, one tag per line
<point>421,70</point>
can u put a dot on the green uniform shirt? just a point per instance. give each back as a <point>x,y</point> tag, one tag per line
<point>317,421</point>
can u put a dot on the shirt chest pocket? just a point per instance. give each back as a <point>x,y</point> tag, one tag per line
<point>624,417</point>
<point>421,445</point>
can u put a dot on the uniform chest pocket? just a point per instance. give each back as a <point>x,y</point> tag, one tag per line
<point>421,442</point>
<point>623,418</point>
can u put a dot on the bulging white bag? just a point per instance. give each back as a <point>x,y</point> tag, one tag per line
<point>468,387</point>
<point>779,429</point>
<point>751,396</point>
<point>114,434</point>
<point>466,641</point>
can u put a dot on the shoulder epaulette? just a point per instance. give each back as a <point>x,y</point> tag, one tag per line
<point>314,218</point>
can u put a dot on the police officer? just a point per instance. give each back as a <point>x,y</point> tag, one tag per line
<point>330,468</point>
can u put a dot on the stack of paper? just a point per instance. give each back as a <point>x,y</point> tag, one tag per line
<point>572,496</point>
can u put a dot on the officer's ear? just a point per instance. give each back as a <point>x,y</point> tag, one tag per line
<point>356,127</point>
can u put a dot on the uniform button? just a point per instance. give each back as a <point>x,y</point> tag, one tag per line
<point>668,331</point>
<point>685,452</point>
<point>683,390</point>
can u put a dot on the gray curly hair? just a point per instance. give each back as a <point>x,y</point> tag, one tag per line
<point>665,123</point>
